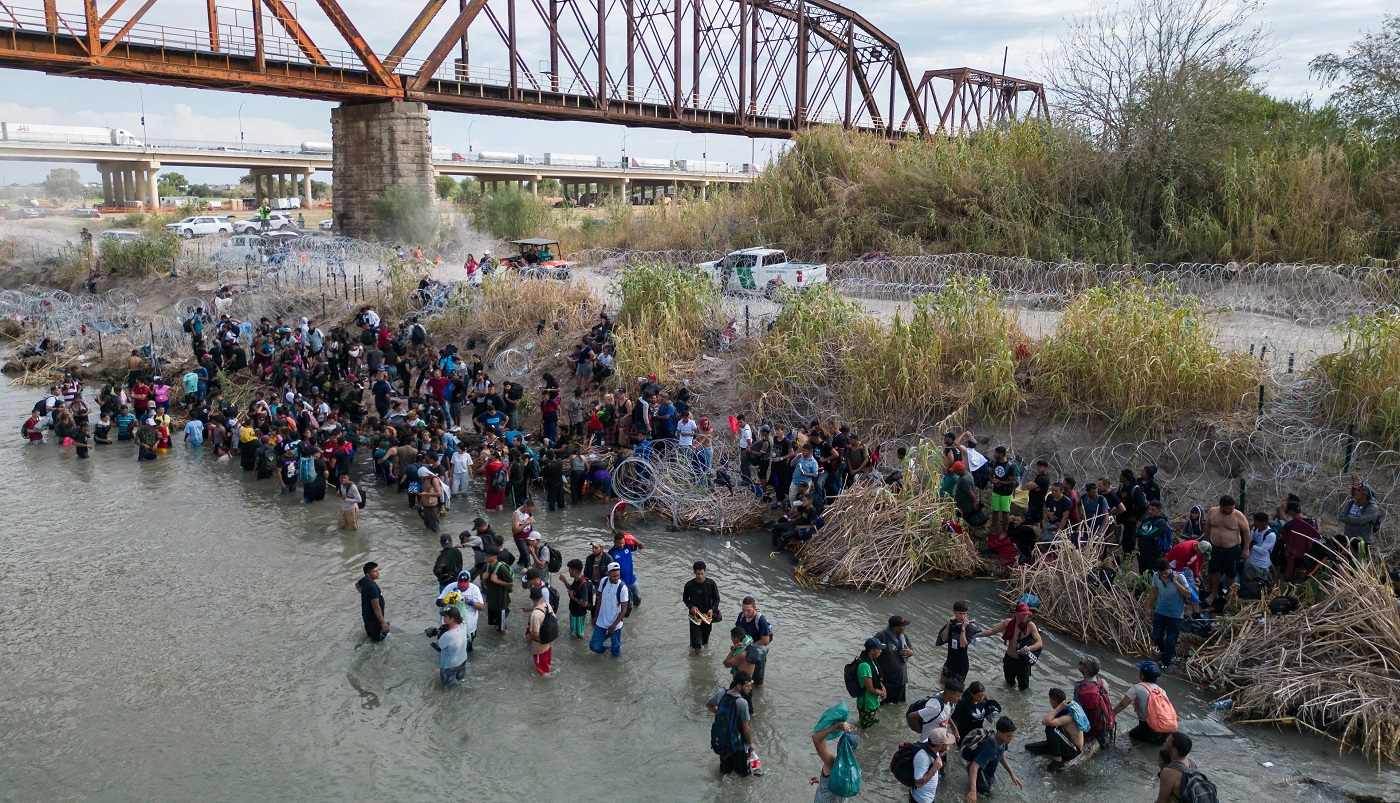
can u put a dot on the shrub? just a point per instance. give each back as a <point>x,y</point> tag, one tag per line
<point>981,342</point>
<point>1365,377</point>
<point>141,256</point>
<point>511,215</point>
<point>1139,355</point>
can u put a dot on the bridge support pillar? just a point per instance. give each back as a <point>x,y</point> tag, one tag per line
<point>306,199</point>
<point>535,186</point>
<point>124,184</point>
<point>377,146</point>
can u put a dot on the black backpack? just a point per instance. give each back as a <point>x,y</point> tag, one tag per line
<point>549,628</point>
<point>850,675</point>
<point>556,559</point>
<point>902,762</point>
<point>971,743</point>
<point>1195,786</point>
<point>913,709</point>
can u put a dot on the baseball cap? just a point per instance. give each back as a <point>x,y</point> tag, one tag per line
<point>464,575</point>
<point>534,536</point>
<point>898,621</point>
<point>874,644</point>
<point>1022,607</point>
<point>594,542</point>
<point>958,466</point>
<point>614,567</point>
<point>1150,667</point>
<point>1204,546</point>
<point>478,521</point>
<point>941,736</point>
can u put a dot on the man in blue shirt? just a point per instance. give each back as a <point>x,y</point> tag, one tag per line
<point>982,770</point>
<point>622,555</point>
<point>1167,604</point>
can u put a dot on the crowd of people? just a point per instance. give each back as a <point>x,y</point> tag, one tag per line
<point>426,422</point>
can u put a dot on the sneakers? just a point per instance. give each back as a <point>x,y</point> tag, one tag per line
<point>1055,766</point>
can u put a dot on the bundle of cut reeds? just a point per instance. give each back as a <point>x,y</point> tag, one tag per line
<point>875,539</point>
<point>1333,666</point>
<point>1085,597</point>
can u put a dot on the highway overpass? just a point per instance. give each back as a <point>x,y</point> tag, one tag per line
<point>129,172</point>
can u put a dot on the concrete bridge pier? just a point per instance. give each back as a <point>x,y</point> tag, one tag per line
<point>129,184</point>
<point>278,182</point>
<point>377,146</point>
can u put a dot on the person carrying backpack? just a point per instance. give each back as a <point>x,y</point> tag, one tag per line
<point>1156,716</point>
<point>1092,695</point>
<point>582,598</point>
<point>542,631</point>
<point>865,683</point>
<point>731,735</point>
<point>1180,779</point>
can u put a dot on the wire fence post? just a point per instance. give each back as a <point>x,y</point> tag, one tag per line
<point>1351,448</point>
<point>100,354</point>
<point>746,320</point>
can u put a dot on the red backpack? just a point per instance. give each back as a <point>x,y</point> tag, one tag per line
<point>1092,696</point>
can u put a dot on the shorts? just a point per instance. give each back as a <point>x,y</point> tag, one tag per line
<point>1225,560</point>
<point>583,370</point>
<point>1001,504</point>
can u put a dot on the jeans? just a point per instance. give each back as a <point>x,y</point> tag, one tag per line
<point>451,677</point>
<point>1016,670</point>
<point>551,431</point>
<point>601,637</point>
<point>1165,630</point>
<point>555,497</point>
<point>635,595</point>
<point>446,412</point>
<point>704,457</point>
<point>576,480</point>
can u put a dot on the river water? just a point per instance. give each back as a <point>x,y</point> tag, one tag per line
<point>176,631</point>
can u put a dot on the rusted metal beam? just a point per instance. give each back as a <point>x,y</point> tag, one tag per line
<point>439,53</point>
<point>125,29</point>
<point>357,43</point>
<point>213,26</point>
<point>259,49</point>
<point>602,32</point>
<point>289,23</point>
<point>115,6</point>
<point>51,16</point>
<point>94,26</point>
<point>410,36</point>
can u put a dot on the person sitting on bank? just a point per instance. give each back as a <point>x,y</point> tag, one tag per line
<point>1064,731</point>
<point>1156,716</point>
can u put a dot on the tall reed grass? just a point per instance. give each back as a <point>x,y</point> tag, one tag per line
<point>1139,355</point>
<point>662,318</point>
<point>1365,378</point>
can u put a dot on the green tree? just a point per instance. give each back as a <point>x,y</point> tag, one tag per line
<point>321,190</point>
<point>63,182</point>
<point>511,215</point>
<point>1368,80</point>
<point>171,183</point>
<point>468,192</point>
<point>405,214</point>
<point>201,190</point>
<point>445,186</point>
<point>551,186</point>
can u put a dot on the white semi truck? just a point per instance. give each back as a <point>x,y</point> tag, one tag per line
<point>67,134</point>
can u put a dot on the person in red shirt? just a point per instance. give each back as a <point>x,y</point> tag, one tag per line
<point>140,397</point>
<point>1187,557</point>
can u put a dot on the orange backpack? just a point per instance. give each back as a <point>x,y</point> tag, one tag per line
<point>1161,717</point>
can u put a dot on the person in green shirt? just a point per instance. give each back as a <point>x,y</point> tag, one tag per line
<point>497,581</point>
<point>868,673</point>
<point>265,214</point>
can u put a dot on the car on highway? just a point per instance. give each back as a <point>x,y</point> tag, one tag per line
<point>278,220</point>
<point>200,226</point>
<point>85,211</point>
<point>122,235</point>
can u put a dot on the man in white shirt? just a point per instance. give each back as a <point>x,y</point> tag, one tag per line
<point>468,600</point>
<point>613,604</point>
<point>461,469</point>
<point>938,711</point>
<point>745,438</point>
<point>685,431</point>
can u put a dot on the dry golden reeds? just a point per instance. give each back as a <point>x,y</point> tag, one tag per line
<point>508,305</point>
<point>1333,666</point>
<point>1094,606</point>
<point>875,539</point>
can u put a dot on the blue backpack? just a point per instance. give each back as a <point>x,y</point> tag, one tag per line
<point>725,736</point>
<point>306,469</point>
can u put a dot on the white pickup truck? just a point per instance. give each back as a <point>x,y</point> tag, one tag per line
<point>762,270</point>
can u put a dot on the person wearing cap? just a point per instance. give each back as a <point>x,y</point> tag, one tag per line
<point>614,601</point>
<point>1166,607</point>
<point>759,452</point>
<point>894,658</point>
<point>964,492</point>
<point>1023,644</point>
<point>621,552</point>
<point>871,682</point>
<point>463,595</point>
<point>449,562</point>
<point>929,763</point>
<point>1187,557</point>
<point>537,550</point>
<point>952,453</point>
<point>452,643</point>
<point>1150,704</point>
<point>1299,533</point>
<point>595,566</point>
<point>745,434</point>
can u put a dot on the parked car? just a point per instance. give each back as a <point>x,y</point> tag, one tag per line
<point>85,211</point>
<point>326,225</point>
<point>239,249</point>
<point>762,270</point>
<point>278,220</point>
<point>199,226</point>
<point>540,258</point>
<point>122,235</point>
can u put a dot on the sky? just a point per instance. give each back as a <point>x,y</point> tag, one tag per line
<point>931,33</point>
